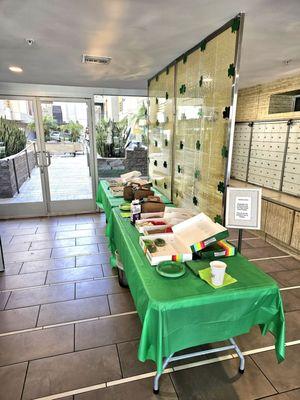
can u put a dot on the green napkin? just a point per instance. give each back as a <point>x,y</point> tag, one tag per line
<point>205,274</point>
<point>125,214</point>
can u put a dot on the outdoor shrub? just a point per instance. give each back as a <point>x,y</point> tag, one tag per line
<point>13,137</point>
<point>111,138</point>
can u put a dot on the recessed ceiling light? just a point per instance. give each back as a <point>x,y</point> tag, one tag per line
<point>13,68</point>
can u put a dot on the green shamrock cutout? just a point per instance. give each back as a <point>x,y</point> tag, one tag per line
<point>178,169</point>
<point>156,100</point>
<point>155,163</point>
<point>198,145</point>
<point>203,45</point>
<point>157,122</point>
<point>231,71</point>
<point>165,186</point>
<point>235,25</point>
<point>165,164</point>
<point>155,143</point>
<point>224,152</point>
<point>167,95</point>
<point>184,58</point>
<point>218,219</point>
<point>166,142</point>
<point>195,200</point>
<point>221,187</point>
<point>156,78</point>
<point>197,174</point>
<point>201,81</point>
<point>181,145</point>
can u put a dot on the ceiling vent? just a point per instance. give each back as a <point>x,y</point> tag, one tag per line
<point>85,59</point>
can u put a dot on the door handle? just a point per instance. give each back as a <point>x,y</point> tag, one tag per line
<point>48,155</point>
<point>37,158</point>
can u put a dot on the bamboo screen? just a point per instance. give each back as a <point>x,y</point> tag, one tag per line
<point>203,91</point>
<point>161,122</point>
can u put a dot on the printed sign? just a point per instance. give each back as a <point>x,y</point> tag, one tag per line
<point>243,208</point>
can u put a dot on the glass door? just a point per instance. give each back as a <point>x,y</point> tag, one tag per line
<point>21,179</point>
<point>67,155</point>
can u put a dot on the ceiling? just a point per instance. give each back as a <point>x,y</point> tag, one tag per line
<point>141,36</point>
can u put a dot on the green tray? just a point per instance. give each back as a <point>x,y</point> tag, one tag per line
<point>171,269</point>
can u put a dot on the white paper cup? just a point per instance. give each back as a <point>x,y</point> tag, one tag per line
<point>217,272</point>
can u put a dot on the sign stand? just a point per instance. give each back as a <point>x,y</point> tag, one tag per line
<point>239,247</point>
<point>2,266</point>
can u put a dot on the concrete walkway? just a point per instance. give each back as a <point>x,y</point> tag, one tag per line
<point>69,180</point>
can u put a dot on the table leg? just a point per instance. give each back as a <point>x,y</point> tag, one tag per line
<point>240,354</point>
<point>158,375</point>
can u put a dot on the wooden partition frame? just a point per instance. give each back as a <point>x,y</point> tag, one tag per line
<point>205,79</point>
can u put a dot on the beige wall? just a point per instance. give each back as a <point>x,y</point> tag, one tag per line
<point>253,102</point>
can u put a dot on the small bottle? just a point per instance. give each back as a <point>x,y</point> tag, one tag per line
<point>135,211</point>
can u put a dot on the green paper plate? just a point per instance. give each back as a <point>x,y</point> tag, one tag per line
<point>125,206</point>
<point>171,269</point>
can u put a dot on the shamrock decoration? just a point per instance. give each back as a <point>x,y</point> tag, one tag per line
<point>198,145</point>
<point>155,163</point>
<point>218,219</point>
<point>156,78</point>
<point>221,187</point>
<point>182,89</point>
<point>165,186</point>
<point>166,142</point>
<point>226,112</point>
<point>167,95</point>
<point>167,70</point>
<point>156,100</point>
<point>224,152</point>
<point>184,58</point>
<point>155,182</point>
<point>157,122</point>
<point>177,194</point>
<point>195,200</point>
<point>235,25</point>
<point>155,143</point>
<point>179,168</point>
<point>181,145</point>
<point>203,45</point>
<point>197,174</point>
<point>231,70</point>
<point>201,80</point>
<point>165,164</point>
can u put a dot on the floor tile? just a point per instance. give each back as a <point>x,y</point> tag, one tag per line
<point>221,380</point>
<point>284,376</point>
<point>75,234</point>
<point>3,299</point>
<point>269,251</point>
<point>233,233</point>
<point>37,344</point>
<point>292,321</point>
<point>291,300</point>
<point>12,248</point>
<point>11,269</point>
<point>5,239</point>
<point>288,262</point>
<point>32,238</point>
<point>98,288</point>
<point>22,281</point>
<point>73,310</point>
<point>17,231</point>
<point>269,265</point>
<point>94,259</point>
<point>12,379</point>
<point>21,318</point>
<point>74,274</point>
<point>138,390</point>
<point>27,255</point>
<point>257,243</point>
<point>108,270</point>
<point>254,340</point>
<point>93,225</point>
<point>71,371</point>
<point>90,240</point>
<point>41,295</point>
<point>287,278</point>
<point>55,228</point>
<point>74,251</point>
<point>107,331</point>
<point>291,395</point>
<point>35,266</point>
<point>121,302</point>
<point>49,244</point>
<point>130,365</point>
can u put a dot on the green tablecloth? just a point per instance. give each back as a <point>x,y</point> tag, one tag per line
<point>107,201</point>
<point>185,312</point>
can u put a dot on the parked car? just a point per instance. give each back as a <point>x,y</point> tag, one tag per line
<point>55,135</point>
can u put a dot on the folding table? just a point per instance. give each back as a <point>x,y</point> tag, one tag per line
<point>177,314</point>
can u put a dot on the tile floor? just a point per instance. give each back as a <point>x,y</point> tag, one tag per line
<point>68,330</point>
